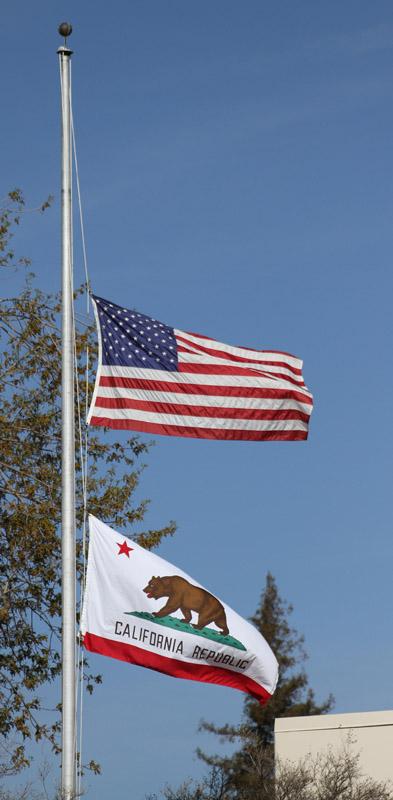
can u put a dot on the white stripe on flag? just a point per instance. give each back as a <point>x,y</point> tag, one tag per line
<point>243,352</point>
<point>200,422</point>
<point>206,379</point>
<point>196,358</point>
<point>213,401</point>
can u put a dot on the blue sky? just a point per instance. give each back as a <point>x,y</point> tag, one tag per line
<point>235,164</point>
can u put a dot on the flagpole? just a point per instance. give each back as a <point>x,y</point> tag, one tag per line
<point>68,439</point>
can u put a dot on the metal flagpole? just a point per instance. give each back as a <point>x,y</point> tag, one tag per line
<point>68,441</point>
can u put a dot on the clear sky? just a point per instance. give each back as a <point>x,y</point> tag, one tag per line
<point>236,175</point>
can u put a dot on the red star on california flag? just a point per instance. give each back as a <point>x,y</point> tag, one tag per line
<point>124,549</point>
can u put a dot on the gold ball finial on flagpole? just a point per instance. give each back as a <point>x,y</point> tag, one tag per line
<point>65,29</point>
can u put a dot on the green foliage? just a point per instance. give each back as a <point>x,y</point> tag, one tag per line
<point>30,501</point>
<point>292,697</point>
<point>11,210</point>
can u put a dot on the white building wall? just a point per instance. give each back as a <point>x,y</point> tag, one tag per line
<point>370,734</point>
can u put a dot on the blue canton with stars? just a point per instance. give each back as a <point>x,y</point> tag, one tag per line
<point>130,339</point>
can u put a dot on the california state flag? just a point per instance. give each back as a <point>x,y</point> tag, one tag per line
<point>141,609</point>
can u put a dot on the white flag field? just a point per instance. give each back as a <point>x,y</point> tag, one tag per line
<point>142,609</point>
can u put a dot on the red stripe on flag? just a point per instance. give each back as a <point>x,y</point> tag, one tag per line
<point>196,388</point>
<point>224,369</point>
<point>184,334</point>
<point>200,411</point>
<point>230,357</point>
<point>171,666</point>
<point>199,433</point>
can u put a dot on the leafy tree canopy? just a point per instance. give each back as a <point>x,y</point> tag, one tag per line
<point>30,501</point>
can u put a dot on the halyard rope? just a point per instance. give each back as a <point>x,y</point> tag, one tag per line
<point>80,213</point>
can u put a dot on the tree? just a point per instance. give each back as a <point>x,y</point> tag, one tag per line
<point>30,501</point>
<point>212,787</point>
<point>332,775</point>
<point>292,697</point>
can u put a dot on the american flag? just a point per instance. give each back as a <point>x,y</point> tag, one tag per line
<point>157,379</point>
